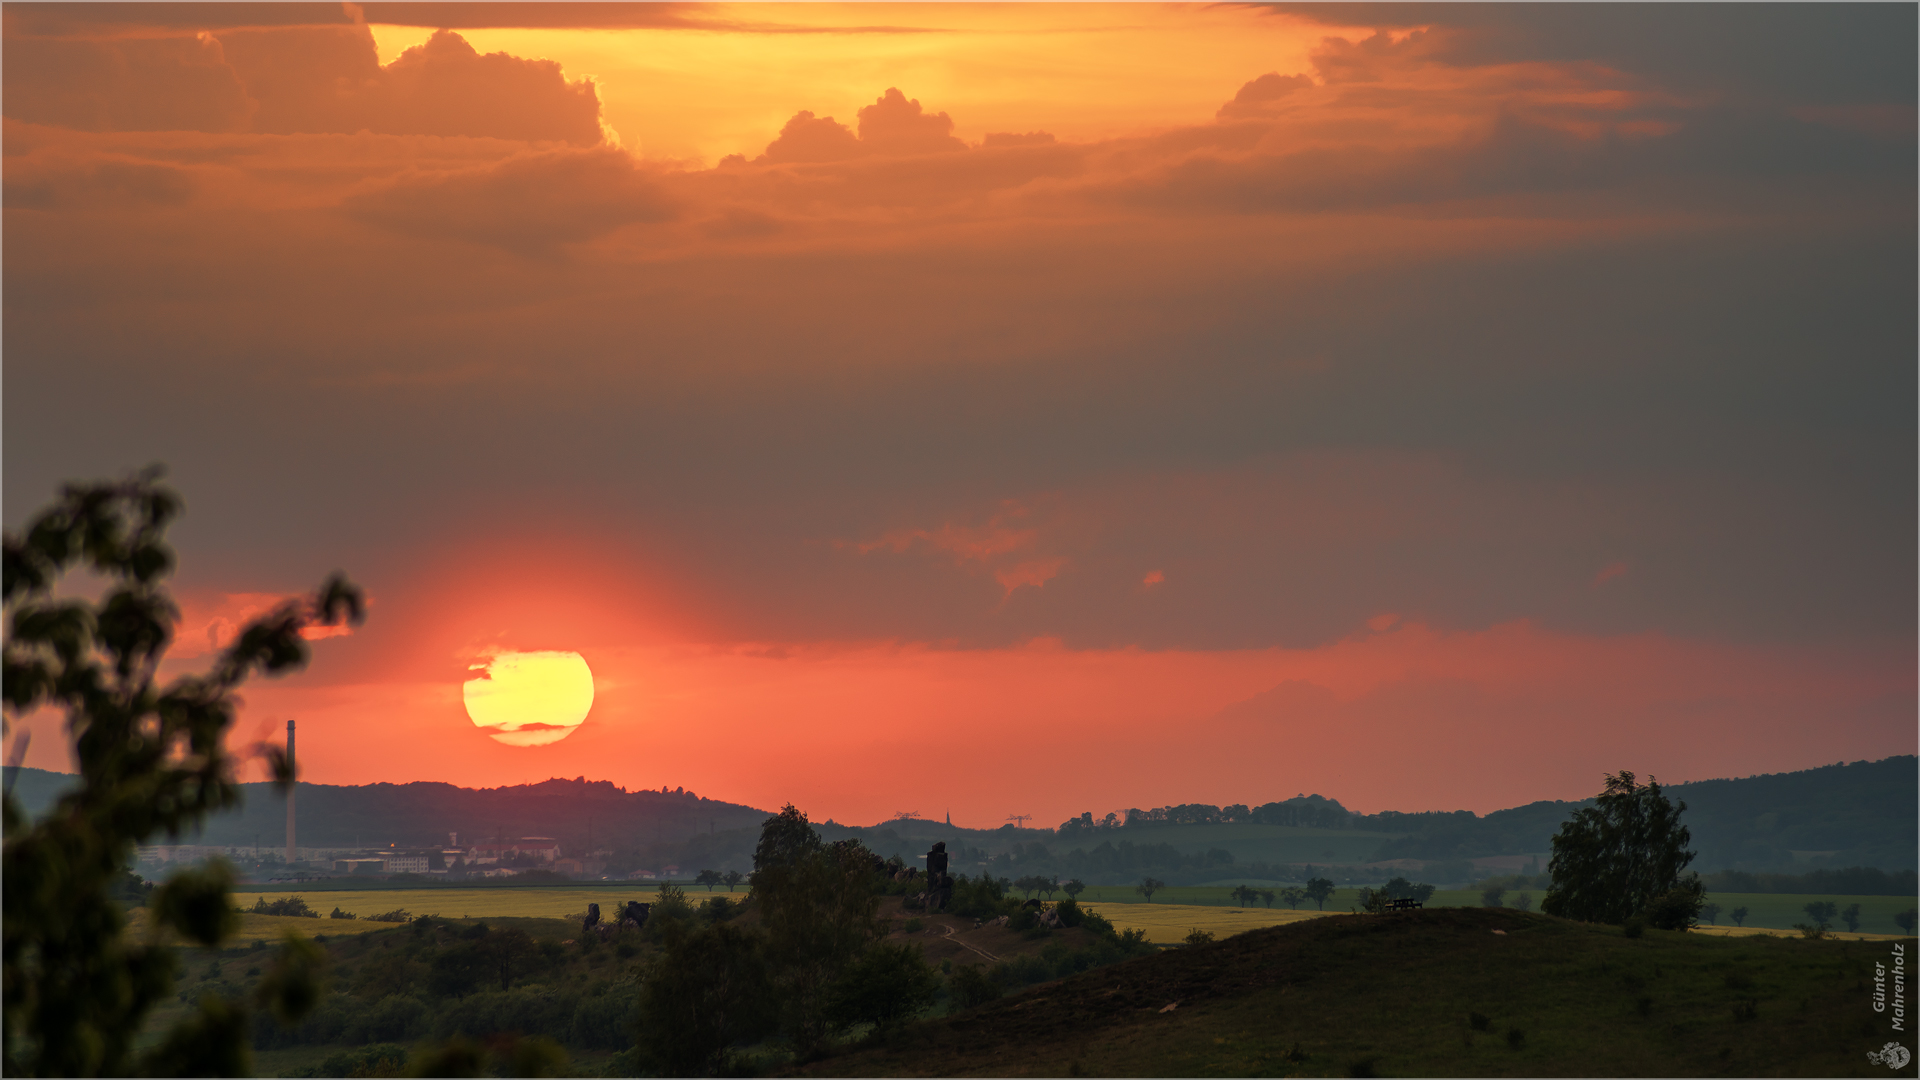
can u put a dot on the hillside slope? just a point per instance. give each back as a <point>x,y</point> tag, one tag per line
<point>1442,992</point>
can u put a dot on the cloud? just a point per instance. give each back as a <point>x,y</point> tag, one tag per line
<point>892,126</point>
<point>1257,98</point>
<point>1034,572</point>
<point>995,140</point>
<point>137,84</point>
<point>897,127</point>
<point>446,88</point>
<point>808,138</point>
<point>528,204</point>
<point>294,79</point>
<point>45,182</point>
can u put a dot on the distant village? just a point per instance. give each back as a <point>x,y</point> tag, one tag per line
<point>501,858</point>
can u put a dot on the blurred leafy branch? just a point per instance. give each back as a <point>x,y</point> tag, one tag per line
<point>152,758</point>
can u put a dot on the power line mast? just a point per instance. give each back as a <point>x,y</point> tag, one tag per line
<point>1020,820</point>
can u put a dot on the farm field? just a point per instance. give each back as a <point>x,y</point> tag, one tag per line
<point>1777,911</point>
<point>554,902</point>
<point>269,928</point>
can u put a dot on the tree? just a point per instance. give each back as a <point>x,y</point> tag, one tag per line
<point>1149,886</point>
<point>1292,894</point>
<point>1030,884</point>
<point>1266,896</point>
<point>1074,888</point>
<point>507,953</point>
<point>1821,912</point>
<point>709,878</point>
<point>732,879</point>
<point>1851,916</point>
<point>151,758</point>
<point>1490,896</point>
<point>820,914</point>
<point>1738,915</point>
<point>1318,890</point>
<point>786,839</point>
<point>1244,896</point>
<point>1049,885</point>
<point>1613,859</point>
<point>1712,913</point>
<point>1905,919</point>
<point>709,991</point>
<point>1402,889</point>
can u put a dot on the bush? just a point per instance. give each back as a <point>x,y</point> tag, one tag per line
<point>338,914</point>
<point>1677,908</point>
<point>983,897</point>
<point>914,926</point>
<point>286,905</point>
<point>886,986</point>
<point>1199,937</point>
<point>1069,912</point>
<point>396,915</point>
<point>972,985</point>
<point>380,1059</point>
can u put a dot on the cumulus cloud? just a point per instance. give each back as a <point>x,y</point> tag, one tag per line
<point>1257,98</point>
<point>294,80</point>
<point>445,87</point>
<point>810,138</point>
<point>528,204</point>
<point>896,126</point>
<point>893,126</point>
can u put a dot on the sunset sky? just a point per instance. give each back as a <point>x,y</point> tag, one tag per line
<point>1002,409</point>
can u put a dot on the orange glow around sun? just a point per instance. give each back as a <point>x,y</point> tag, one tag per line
<point>530,699</point>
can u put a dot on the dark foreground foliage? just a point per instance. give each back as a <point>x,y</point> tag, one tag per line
<point>1429,993</point>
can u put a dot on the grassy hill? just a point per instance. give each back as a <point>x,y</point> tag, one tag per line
<point>1449,992</point>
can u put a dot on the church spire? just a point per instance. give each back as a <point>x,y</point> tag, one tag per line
<point>949,819</point>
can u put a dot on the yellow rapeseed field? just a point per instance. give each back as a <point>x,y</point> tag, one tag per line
<point>479,903</point>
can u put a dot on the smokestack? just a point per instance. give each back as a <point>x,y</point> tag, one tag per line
<point>292,856</point>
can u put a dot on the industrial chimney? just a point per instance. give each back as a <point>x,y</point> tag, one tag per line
<point>292,852</point>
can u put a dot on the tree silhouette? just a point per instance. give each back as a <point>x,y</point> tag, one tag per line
<point>1622,857</point>
<point>152,758</point>
<point>1318,890</point>
<point>1149,886</point>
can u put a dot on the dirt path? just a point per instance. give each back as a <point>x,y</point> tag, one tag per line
<point>965,945</point>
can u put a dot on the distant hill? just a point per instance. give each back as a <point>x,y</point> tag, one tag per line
<point>573,812</point>
<point>1859,814</point>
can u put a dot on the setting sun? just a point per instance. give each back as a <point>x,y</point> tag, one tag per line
<point>530,699</point>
